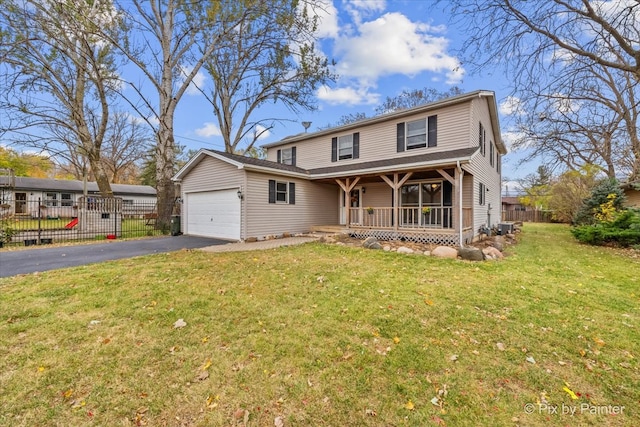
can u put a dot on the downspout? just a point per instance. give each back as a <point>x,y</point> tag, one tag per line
<point>460,225</point>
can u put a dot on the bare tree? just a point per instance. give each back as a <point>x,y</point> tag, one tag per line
<point>125,145</point>
<point>57,75</point>
<point>268,56</point>
<point>166,44</point>
<point>415,97</point>
<point>573,63</point>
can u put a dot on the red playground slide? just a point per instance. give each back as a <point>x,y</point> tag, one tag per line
<point>72,224</point>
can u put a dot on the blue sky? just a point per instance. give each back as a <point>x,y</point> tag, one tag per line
<point>380,48</point>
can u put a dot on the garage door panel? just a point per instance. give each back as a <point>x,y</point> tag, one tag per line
<point>214,214</point>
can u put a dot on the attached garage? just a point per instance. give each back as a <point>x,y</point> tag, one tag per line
<point>213,214</point>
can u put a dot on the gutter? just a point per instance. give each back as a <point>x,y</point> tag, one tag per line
<point>461,172</point>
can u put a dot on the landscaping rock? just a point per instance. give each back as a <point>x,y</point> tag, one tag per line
<point>386,248</point>
<point>498,243</point>
<point>492,252</point>
<point>405,250</point>
<point>471,254</point>
<point>371,243</point>
<point>427,253</point>
<point>445,252</point>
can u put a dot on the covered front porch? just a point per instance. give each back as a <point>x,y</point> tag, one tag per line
<point>427,206</point>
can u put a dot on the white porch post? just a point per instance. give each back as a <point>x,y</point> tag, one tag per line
<point>396,185</point>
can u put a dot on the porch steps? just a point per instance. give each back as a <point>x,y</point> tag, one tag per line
<point>328,229</point>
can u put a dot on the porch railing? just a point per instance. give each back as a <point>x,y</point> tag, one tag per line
<point>410,217</point>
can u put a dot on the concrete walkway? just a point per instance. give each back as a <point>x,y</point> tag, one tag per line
<point>258,246</point>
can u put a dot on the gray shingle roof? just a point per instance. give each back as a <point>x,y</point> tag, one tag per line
<point>75,186</point>
<point>398,161</point>
<point>260,162</point>
<point>435,157</point>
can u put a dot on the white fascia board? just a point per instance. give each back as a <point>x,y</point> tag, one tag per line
<point>272,171</point>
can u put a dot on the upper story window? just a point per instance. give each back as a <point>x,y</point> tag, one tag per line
<point>287,156</point>
<point>482,139</point>
<point>491,153</point>
<point>345,147</point>
<point>418,134</point>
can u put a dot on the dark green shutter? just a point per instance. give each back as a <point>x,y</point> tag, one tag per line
<point>400,137</point>
<point>334,149</point>
<point>292,193</point>
<point>279,156</point>
<point>272,191</point>
<point>356,145</point>
<point>432,131</point>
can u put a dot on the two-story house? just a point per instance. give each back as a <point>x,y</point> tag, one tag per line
<point>429,174</point>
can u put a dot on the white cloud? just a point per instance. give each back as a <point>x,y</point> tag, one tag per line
<point>328,18</point>
<point>348,96</point>
<point>197,82</point>
<point>260,130</point>
<point>509,138</point>
<point>359,9</point>
<point>393,44</point>
<point>208,130</point>
<point>511,105</point>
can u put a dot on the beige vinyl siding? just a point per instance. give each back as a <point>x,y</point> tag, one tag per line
<point>378,140</point>
<point>633,198</point>
<point>377,195</point>
<point>316,204</point>
<point>209,175</point>
<point>482,170</point>
<point>212,174</point>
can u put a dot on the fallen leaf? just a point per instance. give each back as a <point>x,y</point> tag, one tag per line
<point>278,422</point>
<point>500,346</point>
<point>453,358</point>
<point>531,360</point>
<point>205,339</point>
<point>206,365</point>
<point>435,401</point>
<point>396,340</point>
<point>598,341</point>
<point>180,323</point>
<point>569,391</point>
<point>428,302</point>
<point>409,405</point>
<point>40,368</point>
<point>370,412</point>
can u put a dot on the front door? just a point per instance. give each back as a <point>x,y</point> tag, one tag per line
<point>355,203</point>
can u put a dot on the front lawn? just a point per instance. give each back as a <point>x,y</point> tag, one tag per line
<point>325,335</point>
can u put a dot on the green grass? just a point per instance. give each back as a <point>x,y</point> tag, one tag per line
<point>326,336</point>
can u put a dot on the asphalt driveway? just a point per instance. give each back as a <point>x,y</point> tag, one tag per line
<point>44,258</point>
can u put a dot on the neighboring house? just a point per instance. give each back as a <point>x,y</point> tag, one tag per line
<point>632,191</point>
<point>429,174</point>
<point>513,204</point>
<point>25,196</point>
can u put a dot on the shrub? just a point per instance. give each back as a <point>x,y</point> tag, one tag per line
<point>623,231</point>
<point>607,198</point>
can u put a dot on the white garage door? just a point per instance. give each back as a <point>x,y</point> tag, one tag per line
<point>214,214</point>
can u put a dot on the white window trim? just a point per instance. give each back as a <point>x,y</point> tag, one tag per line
<point>286,193</point>
<point>286,159</point>
<point>344,139</point>
<point>407,136</point>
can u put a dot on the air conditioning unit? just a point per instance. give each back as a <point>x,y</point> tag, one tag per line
<point>505,228</point>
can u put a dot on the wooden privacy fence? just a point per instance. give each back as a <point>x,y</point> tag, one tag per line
<point>527,216</point>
